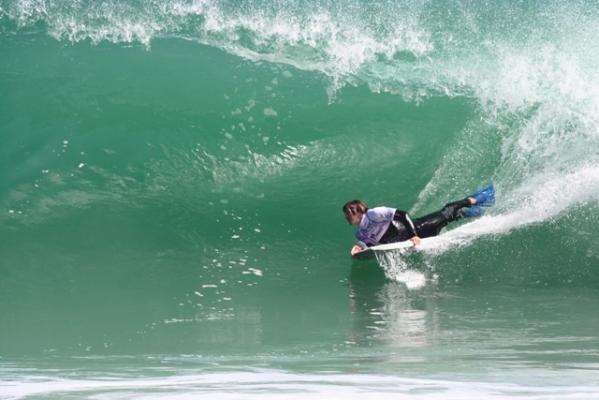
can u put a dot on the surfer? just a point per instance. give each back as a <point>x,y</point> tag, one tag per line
<point>381,225</point>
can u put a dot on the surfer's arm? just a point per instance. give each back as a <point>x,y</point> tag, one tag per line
<point>404,218</point>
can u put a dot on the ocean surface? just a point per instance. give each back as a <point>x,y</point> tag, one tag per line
<point>172,175</point>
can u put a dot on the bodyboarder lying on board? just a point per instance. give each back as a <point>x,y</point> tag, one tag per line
<point>381,225</point>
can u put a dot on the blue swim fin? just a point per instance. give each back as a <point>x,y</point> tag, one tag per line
<point>472,211</point>
<point>485,197</point>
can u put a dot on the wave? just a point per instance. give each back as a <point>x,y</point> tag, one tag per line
<point>528,71</point>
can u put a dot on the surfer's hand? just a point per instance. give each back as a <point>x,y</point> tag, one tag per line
<point>355,249</point>
<point>415,240</point>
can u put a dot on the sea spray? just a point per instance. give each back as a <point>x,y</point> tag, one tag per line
<point>398,269</point>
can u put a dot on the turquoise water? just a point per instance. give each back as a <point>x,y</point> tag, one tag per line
<point>171,182</point>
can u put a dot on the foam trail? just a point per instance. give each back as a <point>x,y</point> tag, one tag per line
<point>537,201</point>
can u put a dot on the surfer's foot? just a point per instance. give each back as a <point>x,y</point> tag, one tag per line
<point>472,211</point>
<point>484,197</point>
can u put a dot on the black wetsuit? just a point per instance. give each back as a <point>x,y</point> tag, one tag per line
<point>401,228</point>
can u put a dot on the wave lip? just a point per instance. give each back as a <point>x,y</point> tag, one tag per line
<point>397,46</point>
<point>313,36</point>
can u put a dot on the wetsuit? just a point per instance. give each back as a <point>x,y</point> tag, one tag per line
<point>389,225</point>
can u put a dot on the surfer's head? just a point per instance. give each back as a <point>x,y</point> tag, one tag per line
<point>354,210</point>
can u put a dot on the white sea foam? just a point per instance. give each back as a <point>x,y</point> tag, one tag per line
<point>275,385</point>
<point>389,46</point>
<point>316,38</point>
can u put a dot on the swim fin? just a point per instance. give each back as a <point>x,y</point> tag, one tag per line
<point>485,197</point>
<point>472,211</point>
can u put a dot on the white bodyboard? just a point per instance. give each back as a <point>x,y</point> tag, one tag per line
<point>370,251</point>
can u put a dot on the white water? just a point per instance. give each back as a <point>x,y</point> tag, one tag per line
<point>273,384</point>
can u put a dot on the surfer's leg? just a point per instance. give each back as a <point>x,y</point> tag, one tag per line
<point>431,224</point>
<point>451,210</point>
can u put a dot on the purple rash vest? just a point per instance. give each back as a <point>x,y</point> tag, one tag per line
<point>374,224</point>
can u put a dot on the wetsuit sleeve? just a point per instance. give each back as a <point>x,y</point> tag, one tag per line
<point>406,221</point>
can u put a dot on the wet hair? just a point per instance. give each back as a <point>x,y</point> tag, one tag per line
<point>354,206</point>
